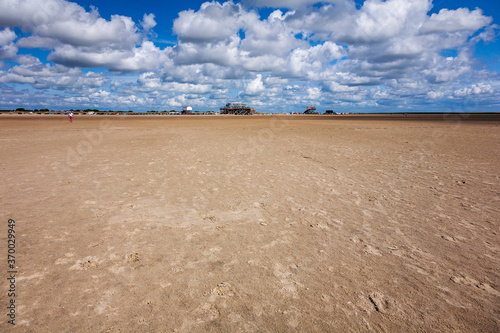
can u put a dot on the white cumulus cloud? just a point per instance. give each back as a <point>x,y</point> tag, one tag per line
<point>8,49</point>
<point>461,19</point>
<point>254,87</point>
<point>475,89</point>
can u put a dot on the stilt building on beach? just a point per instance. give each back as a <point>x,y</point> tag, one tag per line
<point>237,108</point>
<point>311,110</point>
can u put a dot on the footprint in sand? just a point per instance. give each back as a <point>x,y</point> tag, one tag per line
<point>224,289</point>
<point>489,289</point>
<point>491,247</point>
<point>371,250</point>
<point>210,311</point>
<point>288,285</point>
<point>366,247</point>
<point>448,238</point>
<point>467,281</point>
<point>209,218</point>
<point>355,239</point>
<point>133,257</point>
<point>87,263</point>
<point>380,302</point>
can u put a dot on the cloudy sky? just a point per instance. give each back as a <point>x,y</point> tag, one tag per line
<point>277,55</point>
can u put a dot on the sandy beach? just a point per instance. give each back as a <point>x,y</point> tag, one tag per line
<point>251,224</point>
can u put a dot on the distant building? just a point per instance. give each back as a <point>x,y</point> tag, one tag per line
<point>311,110</point>
<point>187,110</point>
<point>237,108</point>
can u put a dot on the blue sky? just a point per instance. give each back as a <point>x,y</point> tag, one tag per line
<point>277,55</point>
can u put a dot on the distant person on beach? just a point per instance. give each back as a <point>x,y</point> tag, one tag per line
<point>70,116</point>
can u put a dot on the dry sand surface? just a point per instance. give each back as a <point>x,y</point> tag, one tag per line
<point>251,224</point>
